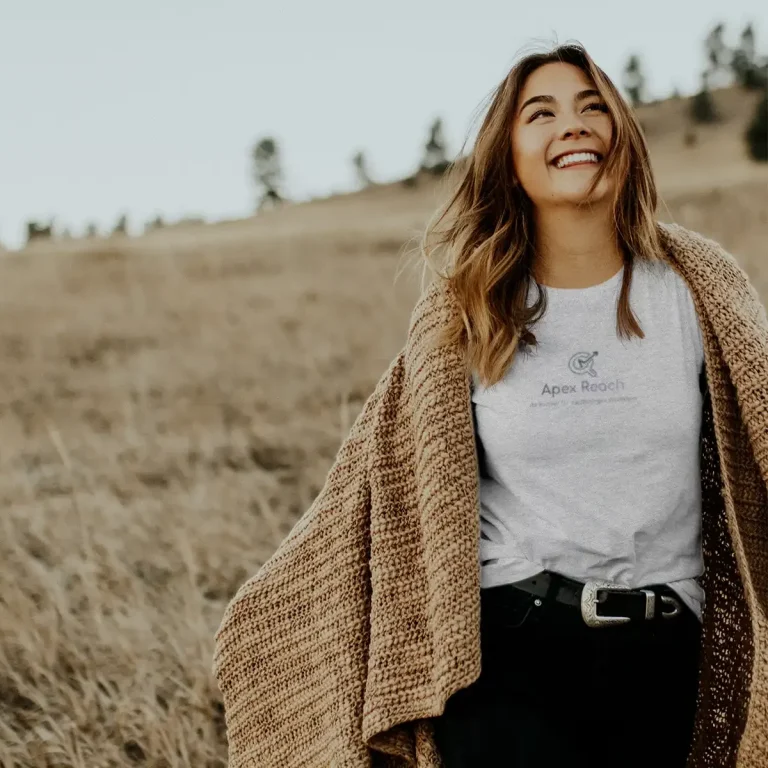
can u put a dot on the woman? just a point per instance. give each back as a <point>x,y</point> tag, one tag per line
<point>561,451</point>
<point>534,560</point>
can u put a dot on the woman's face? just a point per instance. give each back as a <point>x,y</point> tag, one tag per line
<point>568,115</point>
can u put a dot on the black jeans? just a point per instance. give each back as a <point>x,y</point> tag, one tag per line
<point>554,692</point>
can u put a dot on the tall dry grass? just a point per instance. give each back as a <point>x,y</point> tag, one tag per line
<point>166,416</point>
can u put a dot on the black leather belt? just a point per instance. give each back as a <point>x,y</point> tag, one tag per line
<point>603,603</point>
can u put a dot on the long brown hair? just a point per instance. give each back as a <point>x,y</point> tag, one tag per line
<point>486,244</point>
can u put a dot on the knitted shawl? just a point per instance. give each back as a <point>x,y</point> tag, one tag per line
<point>366,619</point>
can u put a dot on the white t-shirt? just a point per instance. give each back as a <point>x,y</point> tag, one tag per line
<point>589,446</point>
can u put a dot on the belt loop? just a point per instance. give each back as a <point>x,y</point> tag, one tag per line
<point>555,579</point>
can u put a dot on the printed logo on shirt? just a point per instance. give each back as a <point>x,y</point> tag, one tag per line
<point>583,364</point>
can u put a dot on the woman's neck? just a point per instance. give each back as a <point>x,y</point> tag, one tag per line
<point>575,249</point>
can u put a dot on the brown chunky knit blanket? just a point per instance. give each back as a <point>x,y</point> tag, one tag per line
<point>366,619</point>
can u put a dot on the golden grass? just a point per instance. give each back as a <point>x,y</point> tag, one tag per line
<point>169,407</point>
<point>166,415</point>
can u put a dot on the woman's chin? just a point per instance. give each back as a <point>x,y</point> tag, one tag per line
<point>577,195</point>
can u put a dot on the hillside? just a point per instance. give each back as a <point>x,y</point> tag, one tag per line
<point>170,405</point>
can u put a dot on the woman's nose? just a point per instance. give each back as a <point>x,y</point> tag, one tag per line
<point>575,125</point>
<point>581,130</point>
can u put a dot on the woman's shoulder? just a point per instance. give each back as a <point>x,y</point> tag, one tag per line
<point>712,271</point>
<point>687,246</point>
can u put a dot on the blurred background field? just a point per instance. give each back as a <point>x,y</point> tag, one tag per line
<point>170,404</point>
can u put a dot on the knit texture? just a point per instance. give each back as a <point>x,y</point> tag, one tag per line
<point>366,619</point>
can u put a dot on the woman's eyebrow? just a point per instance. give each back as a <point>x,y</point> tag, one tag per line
<point>546,99</point>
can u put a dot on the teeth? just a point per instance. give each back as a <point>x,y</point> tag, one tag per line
<point>577,157</point>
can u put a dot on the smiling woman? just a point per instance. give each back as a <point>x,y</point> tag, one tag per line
<point>557,151</point>
<point>560,173</point>
<point>596,104</point>
<point>550,231</point>
<point>552,226</point>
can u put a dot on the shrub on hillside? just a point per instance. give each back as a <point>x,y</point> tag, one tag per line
<point>756,134</point>
<point>702,109</point>
<point>121,228</point>
<point>36,231</point>
<point>438,169</point>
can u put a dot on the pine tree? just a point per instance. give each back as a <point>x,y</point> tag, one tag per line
<point>634,81</point>
<point>756,134</point>
<point>718,55</point>
<point>267,171</point>
<point>750,72</point>
<point>435,158</point>
<point>702,107</point>
<point>121,228</point>
<point>361,169</point>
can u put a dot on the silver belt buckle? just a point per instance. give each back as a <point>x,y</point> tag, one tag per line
<point>589,603</point>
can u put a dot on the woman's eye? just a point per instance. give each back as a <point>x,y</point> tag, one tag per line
<point>596,105</point>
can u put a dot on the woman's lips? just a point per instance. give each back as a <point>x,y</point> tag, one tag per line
<point>583,164</point>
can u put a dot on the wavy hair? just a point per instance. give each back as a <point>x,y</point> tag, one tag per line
<point>482,240</point>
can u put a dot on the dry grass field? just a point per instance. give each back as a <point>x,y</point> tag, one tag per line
<point>169,406</point>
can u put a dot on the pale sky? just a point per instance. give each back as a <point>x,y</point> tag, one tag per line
<point>152,106</point>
